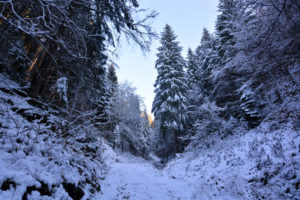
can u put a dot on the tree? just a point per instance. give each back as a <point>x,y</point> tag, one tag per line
<point>170,102</point>
<point>44,42</point>
<point>225,28</point>
<point>205,58</point>
<point>129,123</point>
<point>112,79</point>
<point>112,93</point>
<point>225,81</point>
<point>192,68</point>
<point>102,97</point>
<point>202,86</point>
<point>268,44</point>
<point>48,40</point>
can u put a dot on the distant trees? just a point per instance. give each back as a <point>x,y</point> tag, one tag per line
<point>170,102</point>
<point>131,126</point>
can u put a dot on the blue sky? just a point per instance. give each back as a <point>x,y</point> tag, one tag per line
<point>187,18</point>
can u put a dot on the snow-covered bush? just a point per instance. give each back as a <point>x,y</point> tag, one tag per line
<point>209,126</point>
<point>38,158</point>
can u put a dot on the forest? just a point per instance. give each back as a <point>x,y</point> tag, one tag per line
<point>226,119</point>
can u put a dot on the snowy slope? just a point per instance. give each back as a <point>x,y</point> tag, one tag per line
<point>251,165</point>
<point>256,164</point>
<point>36,162</point>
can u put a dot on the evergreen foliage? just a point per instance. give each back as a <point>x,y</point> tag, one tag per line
<point>239,65</point>
<point>192,68</point>
<point>225,28</point>
<point>170,102</point>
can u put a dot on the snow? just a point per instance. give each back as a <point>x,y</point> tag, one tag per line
<point>137,179</point>
<point>227,170</point>
<point>248,164</point>
<point>61,87</point>
<point>31,154</point>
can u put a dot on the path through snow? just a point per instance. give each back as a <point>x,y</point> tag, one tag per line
<point>134,179</point>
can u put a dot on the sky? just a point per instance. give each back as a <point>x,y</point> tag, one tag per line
<point>187,18</point>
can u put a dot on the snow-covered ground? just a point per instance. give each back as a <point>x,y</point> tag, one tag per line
<point>136,179</point>
<point>254,164</point>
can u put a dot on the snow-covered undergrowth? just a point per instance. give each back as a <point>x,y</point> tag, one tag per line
<point>37,161</point>
<point>256,164</point>
<point>261,163</point>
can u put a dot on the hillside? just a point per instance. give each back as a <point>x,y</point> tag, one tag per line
<point>36,159</point>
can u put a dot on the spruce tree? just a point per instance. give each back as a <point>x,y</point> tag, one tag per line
<point>226,81</point>
<point>205,59</point>
<point>170,102</point>
<point>112,79</point>
<point>225,29</point>
<point>199,78</point>
<point>101,94</point>
<point>192,68</point>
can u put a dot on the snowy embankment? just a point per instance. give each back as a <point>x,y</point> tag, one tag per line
<point>38,160</point>
<point>252,165</point>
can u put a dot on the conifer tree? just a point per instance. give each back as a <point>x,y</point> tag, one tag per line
<point>199,62</point>
<point>192,68</point>
<point>225,80</point>
<point>112,79</point>
<point>205,54</point>
<point>101,94</point>
<point>225,29</point>
<point>170,102</point>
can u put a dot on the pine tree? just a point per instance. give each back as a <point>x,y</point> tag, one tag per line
<point>205,59</point>
<point>192,68</point>
<point>226,81</point>
<point>201,87</point>
<point>225,29</point>
<point>112,79</point>
<point>101,95</point>
<point>112,93</point>
<point>145,129</point>
<point>170,102</point>
<point>206,38</point>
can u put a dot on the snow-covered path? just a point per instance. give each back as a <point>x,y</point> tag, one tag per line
<point>131,178</point>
